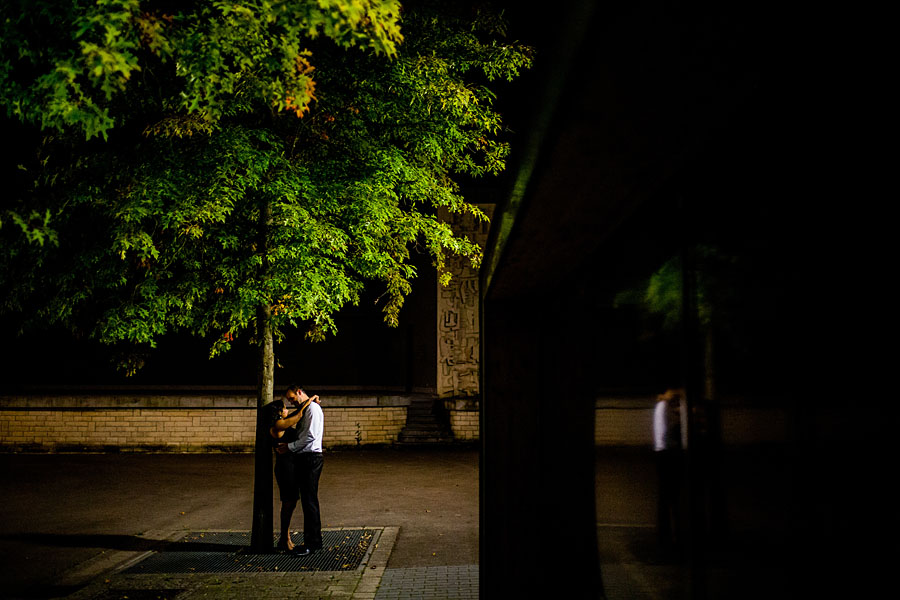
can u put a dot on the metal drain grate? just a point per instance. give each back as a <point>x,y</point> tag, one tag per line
<point>137,595</point>
<point>227,552</point>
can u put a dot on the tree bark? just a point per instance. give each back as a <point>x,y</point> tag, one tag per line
<point>694,382</point>
<point>709,365</point>
<point>261,536</point>
<point>262,531</point>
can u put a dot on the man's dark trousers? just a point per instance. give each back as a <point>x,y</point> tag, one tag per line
<point>309,469</point>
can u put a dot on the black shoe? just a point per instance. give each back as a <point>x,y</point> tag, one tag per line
<point>304,550</point>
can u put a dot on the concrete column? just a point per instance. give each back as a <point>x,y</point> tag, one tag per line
<point>538,515</point>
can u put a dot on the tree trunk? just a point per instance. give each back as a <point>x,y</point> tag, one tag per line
<point>709,365</point>
<point>261,536</point>
<point>262,532</point>
<point>692,366</point>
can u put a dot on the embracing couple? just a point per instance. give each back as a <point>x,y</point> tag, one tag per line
<point>296,429</point>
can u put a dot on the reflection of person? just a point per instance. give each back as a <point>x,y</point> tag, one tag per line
<point>283,429</point>
<point>668,448</point>
<point>305,452</point>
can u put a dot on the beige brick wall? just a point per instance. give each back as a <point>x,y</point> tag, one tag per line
<point>465,424</point>
<point>630,423</point>
<point>128,429</point>
<point>178,430</point>
<point>204,424</point>
<point>623,427</point>
<point>350,426</point>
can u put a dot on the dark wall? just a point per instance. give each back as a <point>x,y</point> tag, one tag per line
<point>537,470</point>
<point>670,126</point>
<point>366,352</point>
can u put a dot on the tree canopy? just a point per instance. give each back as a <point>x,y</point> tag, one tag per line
<point>68,64</point>
<point>200,161</point>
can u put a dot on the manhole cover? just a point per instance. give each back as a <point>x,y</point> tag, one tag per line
<point>228,552</point>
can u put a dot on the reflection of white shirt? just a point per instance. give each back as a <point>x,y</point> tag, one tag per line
<point>663,438</point>
<point>659,426</point>
<point>309,430</point>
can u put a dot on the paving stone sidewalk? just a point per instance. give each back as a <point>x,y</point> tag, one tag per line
<point>458,582</point>
<point>370,581</point>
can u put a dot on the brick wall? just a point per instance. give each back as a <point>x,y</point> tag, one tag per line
<point>351,426</point>
<point>464,417</point>
<point>628,421</point>
<point>623,426</point>
<point>464,424</point>
<point>170,430</point>
<point>173,423</point>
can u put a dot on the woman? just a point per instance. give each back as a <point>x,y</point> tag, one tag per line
<point>282,430</point>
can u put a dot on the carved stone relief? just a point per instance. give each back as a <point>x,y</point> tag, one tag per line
<point>458,323</point>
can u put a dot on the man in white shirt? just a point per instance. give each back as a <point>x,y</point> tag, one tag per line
<point>668,443</point>
<point>307,453</point>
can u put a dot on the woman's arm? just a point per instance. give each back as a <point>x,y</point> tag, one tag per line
<point>290,420</point>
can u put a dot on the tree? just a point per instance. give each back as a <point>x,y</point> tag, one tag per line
<point>715,286</point>
<point>196,174</point>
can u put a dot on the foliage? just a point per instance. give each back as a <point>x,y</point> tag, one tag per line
<point>661,293</point>
<point>67,64</point>
<point>221,174</point>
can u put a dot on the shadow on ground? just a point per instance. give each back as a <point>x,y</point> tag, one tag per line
<point>131,543</point>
